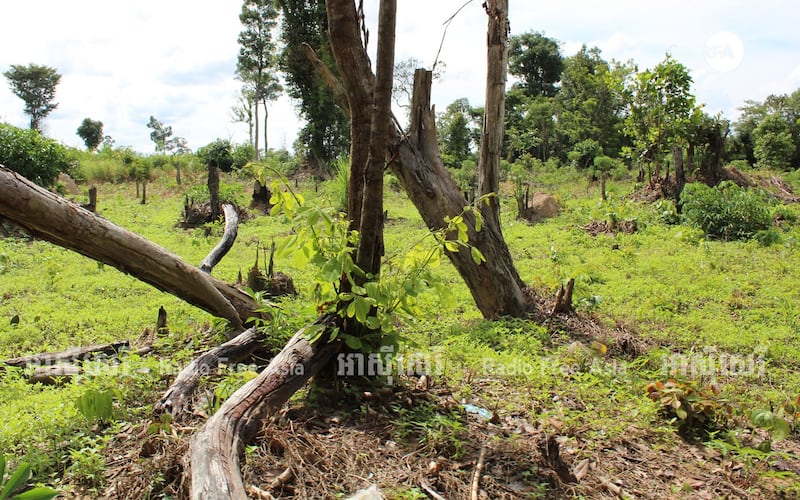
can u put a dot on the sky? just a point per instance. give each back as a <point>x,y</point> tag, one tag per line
<point>122,62</point>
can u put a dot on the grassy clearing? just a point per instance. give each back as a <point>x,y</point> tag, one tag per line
<point>681,300</point>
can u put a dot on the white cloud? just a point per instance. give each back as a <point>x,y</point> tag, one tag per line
<point>175,59</point>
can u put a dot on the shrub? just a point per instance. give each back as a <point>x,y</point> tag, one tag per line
<point>727,211</point>
<point>32,155</point>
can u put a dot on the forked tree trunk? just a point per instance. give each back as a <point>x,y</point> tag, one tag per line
<point>495,284</point>
<point>52,218</point>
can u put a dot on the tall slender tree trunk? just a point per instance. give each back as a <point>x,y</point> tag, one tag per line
<point>495,284</point>
<point>493,126</point>
<point>266,117</point>
<point>680,176</point>
<point>255,143</point>
<point>370,245</point>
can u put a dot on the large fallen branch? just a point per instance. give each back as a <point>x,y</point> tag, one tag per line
<point>215,449</point>
<point>68,356</point>
<point>225,244</point>
<point>50,217</point>
<point>176,399</point>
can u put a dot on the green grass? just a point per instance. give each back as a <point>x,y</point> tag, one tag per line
<point>675,290</point>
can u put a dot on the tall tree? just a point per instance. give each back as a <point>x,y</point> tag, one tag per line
<point>660,111</point>
<point>456,132</point>
<point>163,139</point>
<point>256,63</point>
<point>588,107</point>
<point>773,146</point>
<point>36,85</point>
<point>325,135</point>
<point>242,111</point>
<point>536,60</point>
<point>160,134</point>
<point>91,131</point>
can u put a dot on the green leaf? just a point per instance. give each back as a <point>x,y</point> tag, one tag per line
<point>352,342</point>
<point>2,467</point>
<point>681,413</point>
<point>451,246</point>
<point>780,429</point>
<point>762,418</point>
<point>40,493</point>
<point>362,307</point>
<point>17,480</point>
<point>477,256</point>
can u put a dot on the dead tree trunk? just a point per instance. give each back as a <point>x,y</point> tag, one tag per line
<point>680,176</point>
<point>213,190</point>
<point>493,120</point>
<point>228,238</point>
<point>215,449</point>
<point>50,217</point>
<point>495,284</point>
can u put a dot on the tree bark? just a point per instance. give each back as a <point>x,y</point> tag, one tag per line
<point>495,284</point>
<point>370,229</point>
<point>494,115</point>
<point>52,218</point>
<point>680,176</point>
<point>215,450</point>
<point>358,82</point>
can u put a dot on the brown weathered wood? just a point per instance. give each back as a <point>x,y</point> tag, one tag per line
<point>50,217</point>
<point>370,228</point>
<point>494,109</point>
<point>563,303</point>
<point>161,322</point>
<point>226,243</point>
<point>69,355</point>
<point>215,450</point>
<point>495,285</point>
<point>176,399</point>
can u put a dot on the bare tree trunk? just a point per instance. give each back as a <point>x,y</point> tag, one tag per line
<point>495,284</point>
<point>226,243</point>
<point>493,126</point>
<point>213,190</point>
<point>680,176</point>
<point>370,243</point>
<point>255,103</point>
<point>266,117</point>
<point>52,218</point>
<point>358,83</point>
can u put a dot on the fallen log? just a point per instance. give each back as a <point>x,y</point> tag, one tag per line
<point>54,375</point>
<point>228,238</point>
<point>176,399</point>
<point>50,217</point>
<point>69,355</point>
<point>215,450</point>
